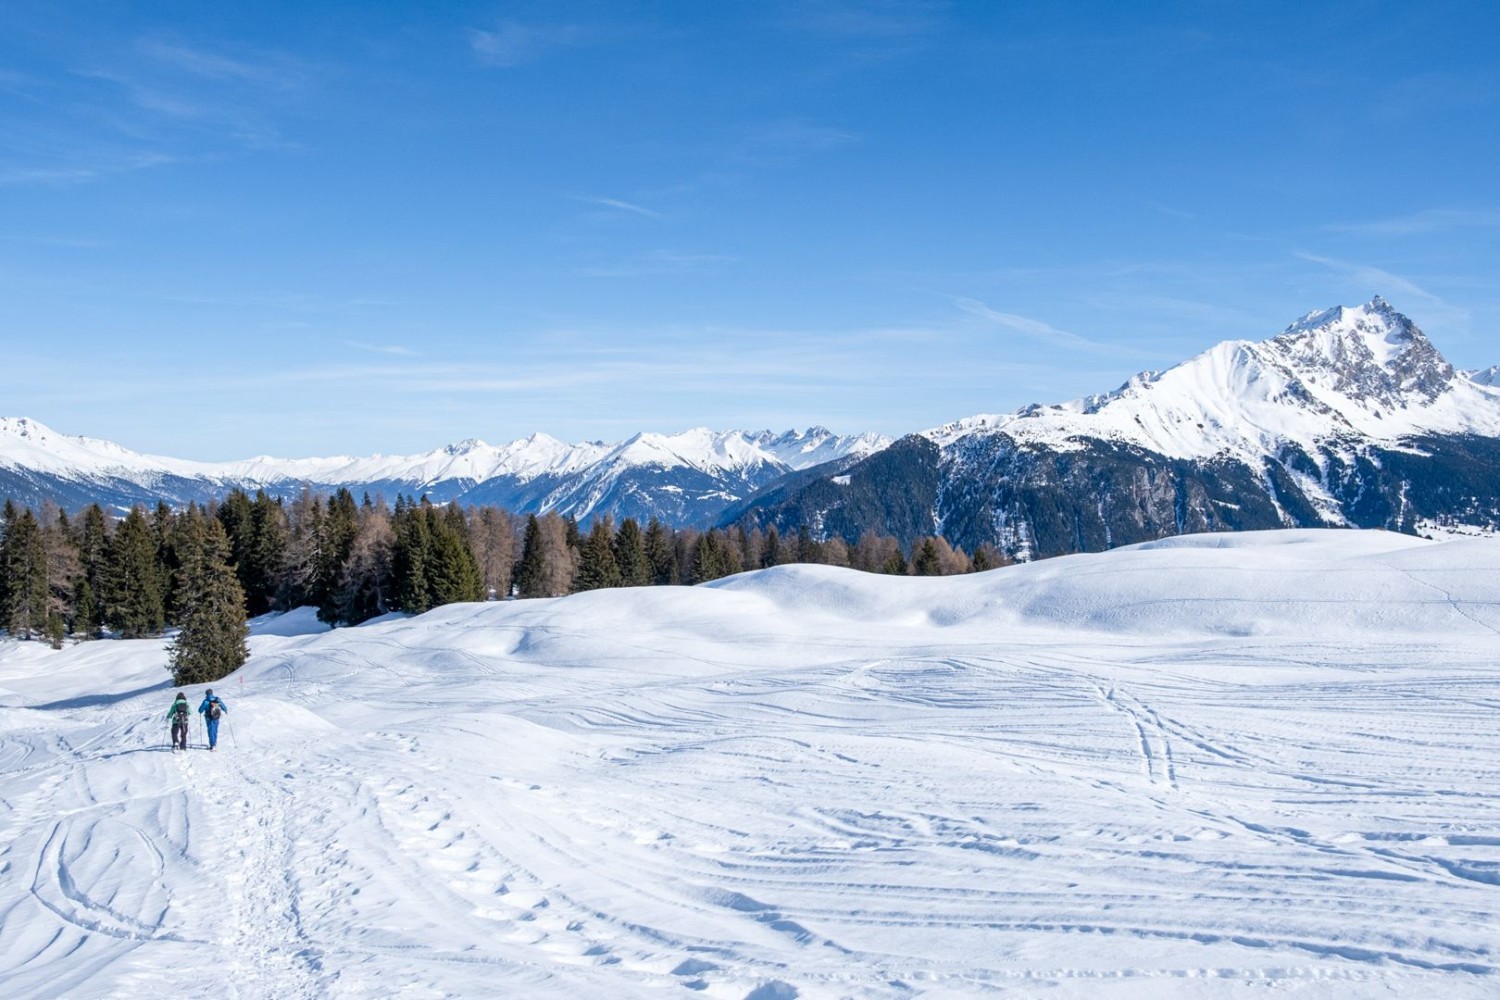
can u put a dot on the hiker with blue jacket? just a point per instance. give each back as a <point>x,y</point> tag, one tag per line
<point>213,706</point>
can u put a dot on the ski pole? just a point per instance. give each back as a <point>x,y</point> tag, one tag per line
<point>232,738</point>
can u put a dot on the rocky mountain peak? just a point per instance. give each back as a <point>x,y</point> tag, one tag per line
<point>1370,353</point>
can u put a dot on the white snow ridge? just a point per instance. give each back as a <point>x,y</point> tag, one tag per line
<point>1212,766</point>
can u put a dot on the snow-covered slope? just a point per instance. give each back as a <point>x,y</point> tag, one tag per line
<point>1210,767</point>
<point>536,473</point>
<point>1486,376</point>
<point>1345,374</point>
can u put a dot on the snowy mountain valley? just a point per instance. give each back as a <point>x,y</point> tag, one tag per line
<point>1221,765</point>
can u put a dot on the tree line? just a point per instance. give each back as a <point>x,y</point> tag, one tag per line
<point>204,570</point>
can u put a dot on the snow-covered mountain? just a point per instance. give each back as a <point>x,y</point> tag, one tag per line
<point>1486,376</point>
<point>685,478</point>
<point>1349,417</point>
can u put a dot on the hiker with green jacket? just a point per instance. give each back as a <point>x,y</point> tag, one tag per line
<point>179,714</point>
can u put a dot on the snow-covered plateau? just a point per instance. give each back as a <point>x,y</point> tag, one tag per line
<point>1213,766</point>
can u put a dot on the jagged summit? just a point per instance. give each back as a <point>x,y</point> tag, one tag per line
<point>1370,352</point>
<point>1341,373</point>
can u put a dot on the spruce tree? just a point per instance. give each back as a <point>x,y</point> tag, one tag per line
<point>265,577</point>
<point>23,562</point>
<point>927,562</point>
<point>597,568</point>
<point>630,555</point>
<point>210,643</point>
<point>661,554</point>
<point>770,552</point>
<point>453,575</point>
<point>807,548</point>
<point>411,557</point>
<point>92,530</point>
<point>531,571</point>
<point>340,526</point>
<point>133,602</point>
<point>713,558</point>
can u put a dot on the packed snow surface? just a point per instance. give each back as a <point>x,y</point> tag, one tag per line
<point>1216,766</point>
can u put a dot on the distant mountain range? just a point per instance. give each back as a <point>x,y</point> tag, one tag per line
<point>1349,417</point>
<point>684,479</point>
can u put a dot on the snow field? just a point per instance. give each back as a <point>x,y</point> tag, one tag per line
<point>1213,766</point>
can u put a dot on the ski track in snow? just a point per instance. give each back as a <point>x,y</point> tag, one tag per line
<point>850,788</point>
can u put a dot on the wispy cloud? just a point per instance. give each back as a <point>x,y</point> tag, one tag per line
<point>659,262</point>
<point>84,164</point>
<point>1376,280</point>
<point>395,349</point>
<point>1039,330</point>
<point>867,19</point>
<point>268,70</point>
<point>1433,220</point>
<point>797,135</point>
<point>515,44</point>
<point>1175,213</point>
<point>619,205</point>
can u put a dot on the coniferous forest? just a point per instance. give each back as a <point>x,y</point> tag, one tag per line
<point>203,572</point>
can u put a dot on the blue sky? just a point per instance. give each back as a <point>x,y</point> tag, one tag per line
<point>308,229</point>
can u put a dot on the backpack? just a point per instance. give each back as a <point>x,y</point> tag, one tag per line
<point>182,711</point>
<point>213,709</point>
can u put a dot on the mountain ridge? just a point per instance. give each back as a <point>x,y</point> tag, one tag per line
<point>1350,417</point>
<point>37,462</point>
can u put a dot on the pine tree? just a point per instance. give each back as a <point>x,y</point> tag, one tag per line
<point>411,555</point>
<point>266,555</point>
<point>770,552</point>
<point>713,557</point>
<point>453,575</point>
<point>7,518</point>
<point>161,523</point>
<point>133,602</point>
<point>630,555</point>
<point>531,572</point>
<point>661,554</point>
<point>23,562</point>
<point>926,562</point>
<point>211,641</point>
<point>90,615</point>
<point>807,548</point>
<point>597,567</point>
<point>340,526</point>
<point>183,537</point>
<point>93,560</point>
